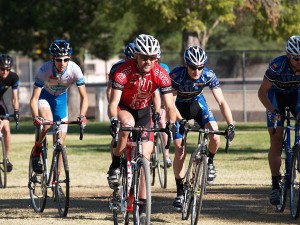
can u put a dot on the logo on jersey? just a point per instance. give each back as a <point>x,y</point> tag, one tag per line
<point>120,77</point>
<point>198,84</point>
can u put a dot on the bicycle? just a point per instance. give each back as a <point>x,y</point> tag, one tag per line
<point>290,167</point>
<point>3,157</point>
<point>195,179</point>
<point>134,167</point>
<point>158,160</point>
<point>55,177</point>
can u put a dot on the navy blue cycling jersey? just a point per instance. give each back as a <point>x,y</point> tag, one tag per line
<point>189,90</point>
<point>281,75</point>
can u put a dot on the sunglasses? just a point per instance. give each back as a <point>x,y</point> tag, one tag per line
<point>60,60</point>
<point>192,67</point>
<point>295,58</point>
<point>3,69</point>
<point>146,58</point>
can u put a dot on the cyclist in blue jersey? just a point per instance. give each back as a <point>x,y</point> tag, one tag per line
<point>8,79</point>
<point>188,82</point>
<point>159,113</point>
<point>49,97</point>
<point>129,54</point>
<point>278,90</point>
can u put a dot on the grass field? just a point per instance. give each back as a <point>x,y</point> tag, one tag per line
<point>239,196</point>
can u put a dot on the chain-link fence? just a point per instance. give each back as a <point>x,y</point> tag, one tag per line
<point>240,74</point>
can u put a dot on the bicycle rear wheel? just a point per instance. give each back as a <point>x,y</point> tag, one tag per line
<point>199,189</point>
<point>161,160</point>
<point>62,182</point>
<point>3,166</point>
<point>153,165</point>
<point>142,187</point>
<point>37,185</point>
<point>295,184</point>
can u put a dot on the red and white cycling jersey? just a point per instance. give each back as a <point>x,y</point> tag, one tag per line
<point>137,88</point>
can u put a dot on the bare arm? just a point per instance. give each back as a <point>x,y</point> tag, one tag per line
<point>34,101</point>
<point>170,107</point>
<point>156,101</point>
<point>15,99</point>
<point>108,90</point>
<point>84,103</point>
<point>223,105</point>
<point>113,103</point>
<point>263,94</point>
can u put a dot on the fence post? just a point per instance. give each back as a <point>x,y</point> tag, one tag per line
<point>244,86</point>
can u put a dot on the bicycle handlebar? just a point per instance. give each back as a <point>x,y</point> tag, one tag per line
<point>60,122</point>
<point>205,131</point>
<point>144,129</point>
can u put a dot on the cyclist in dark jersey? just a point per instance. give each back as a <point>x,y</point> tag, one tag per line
<point>8,79</point>
<point>188,83</point>
<point>280,89</point>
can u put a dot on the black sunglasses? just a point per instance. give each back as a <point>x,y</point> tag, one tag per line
<point>60,60</point>
<point>295,58</point>
<point>192,67</point>
<point>3,69</point>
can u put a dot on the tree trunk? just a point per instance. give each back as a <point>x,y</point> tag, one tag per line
<point>188,39</point>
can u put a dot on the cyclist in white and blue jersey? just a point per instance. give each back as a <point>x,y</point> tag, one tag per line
<point>279,89</point>
<point>49,97</point>
<point>188,82</point>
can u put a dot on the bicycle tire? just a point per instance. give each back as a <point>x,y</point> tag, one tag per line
<point>62,182</point>
<point>161,160</point>
<point>188,188</point>
<point>295,184</point>
<point>142,172</point>
<point>37,184</point>
<point>199,189</point>
<point>153,166</point>
<point>282,184</point>
<point>3,166</point>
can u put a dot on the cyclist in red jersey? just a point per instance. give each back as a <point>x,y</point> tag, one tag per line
<point>130,103</point>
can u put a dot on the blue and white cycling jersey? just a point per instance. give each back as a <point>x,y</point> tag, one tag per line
<point>281,75</point>
<point>189,90</point>
<point>54,86</point>
<point>190,101</point>
<point>165,66</point>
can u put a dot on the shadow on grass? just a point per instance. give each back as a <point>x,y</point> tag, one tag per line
<point>239,204</point>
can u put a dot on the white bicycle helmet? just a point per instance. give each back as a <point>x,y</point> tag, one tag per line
<point>195,55</point>
<point>146,45</point>
<point>293,45</point>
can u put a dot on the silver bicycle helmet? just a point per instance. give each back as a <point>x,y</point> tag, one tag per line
<point>146,45</point>
<point>60,48</point>
<point>6,61</point>
<point>195,55</point>
<point>129,51</point>
<point>293,45</point>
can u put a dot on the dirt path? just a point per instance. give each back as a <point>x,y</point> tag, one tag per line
<point>222,205</point>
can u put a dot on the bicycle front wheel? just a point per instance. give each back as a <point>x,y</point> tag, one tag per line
<point>161,160</point>
<point>37,185</point>
<point>295,184</point>
<point>3,166</point>
<point>62,183</point>
<point>282,183</point>
<point>142,193</point>
<point>199,189</point>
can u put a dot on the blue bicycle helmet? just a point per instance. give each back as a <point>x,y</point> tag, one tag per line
<point>129,51</point>
<point>195,55</point>
<point>6,61</point>
<point>60,48</point>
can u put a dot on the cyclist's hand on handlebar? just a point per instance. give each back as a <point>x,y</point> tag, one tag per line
<point>114,127</point>
<point>156,117</point>
<point>230,132</point>
<point>184,125</point>
<point>170,127</point>
<point>275,115</point>
<point>38,121</point>
<point>83,120</point>
<point>16,115</point>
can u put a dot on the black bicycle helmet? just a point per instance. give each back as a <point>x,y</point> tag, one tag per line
<point>6,61</point>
